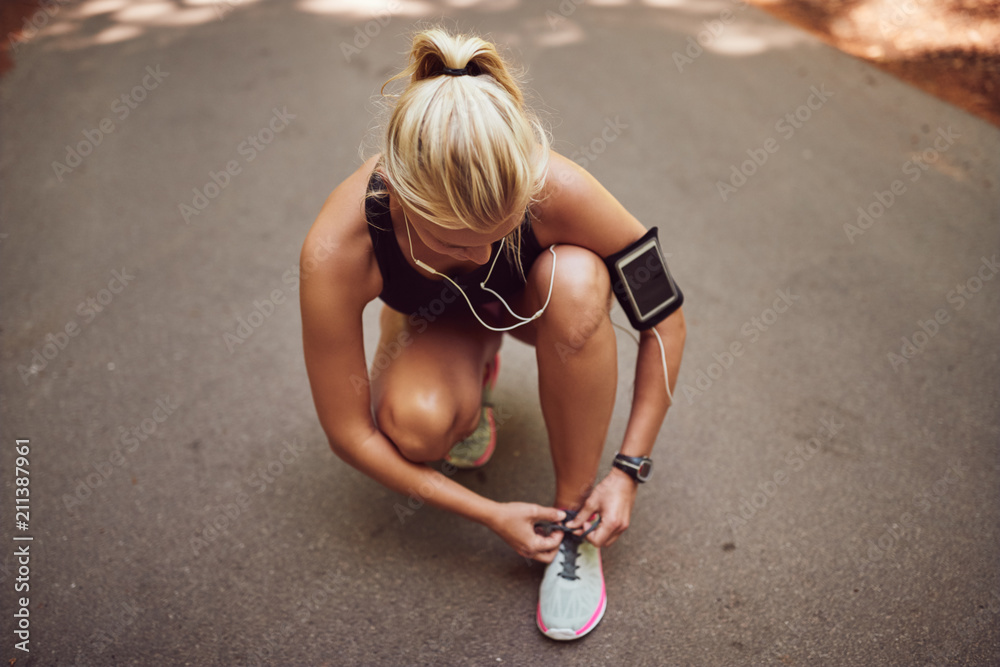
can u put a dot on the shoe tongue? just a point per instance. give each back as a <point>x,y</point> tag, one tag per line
<point>571,549</point>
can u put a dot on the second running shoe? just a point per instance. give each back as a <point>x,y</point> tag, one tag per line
<point>476,450</point>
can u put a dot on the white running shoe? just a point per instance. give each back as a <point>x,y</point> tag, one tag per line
<point>572,598</point>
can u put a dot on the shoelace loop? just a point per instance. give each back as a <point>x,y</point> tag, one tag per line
<point>571,541</point>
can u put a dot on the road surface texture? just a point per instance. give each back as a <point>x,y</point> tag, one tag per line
<point>826,484</point>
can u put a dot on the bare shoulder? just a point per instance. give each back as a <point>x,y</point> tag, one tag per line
<point>337,252</point>
<point>576,209</point>
<point>566,180</point>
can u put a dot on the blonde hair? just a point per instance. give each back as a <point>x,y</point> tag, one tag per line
<point>463,151</point>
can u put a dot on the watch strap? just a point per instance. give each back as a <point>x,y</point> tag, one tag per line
<point>631,465</point>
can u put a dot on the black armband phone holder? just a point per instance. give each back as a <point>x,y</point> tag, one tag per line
<point>642,283</point>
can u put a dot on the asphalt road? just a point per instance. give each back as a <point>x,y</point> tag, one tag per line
<point>826,490</point>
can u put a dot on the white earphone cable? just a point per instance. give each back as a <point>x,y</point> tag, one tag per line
<point>663,355</point>
<point>663,358</point>
<point>524,320</point>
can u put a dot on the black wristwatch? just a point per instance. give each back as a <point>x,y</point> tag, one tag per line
<point>638,468</point>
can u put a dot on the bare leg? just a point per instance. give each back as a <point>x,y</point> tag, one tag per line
<point>428,396</point>
<point>577,364</point>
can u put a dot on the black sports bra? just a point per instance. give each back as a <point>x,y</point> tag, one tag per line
<point>408,291</point>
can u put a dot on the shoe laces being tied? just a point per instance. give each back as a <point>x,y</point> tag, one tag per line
<point>571,541</point>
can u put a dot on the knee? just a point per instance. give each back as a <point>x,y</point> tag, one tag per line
<point>421,425</point>
<point>581,294</point>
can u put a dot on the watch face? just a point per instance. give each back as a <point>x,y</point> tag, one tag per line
<point>645,468</point>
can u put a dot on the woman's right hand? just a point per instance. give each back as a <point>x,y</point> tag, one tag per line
<point>515,523</point>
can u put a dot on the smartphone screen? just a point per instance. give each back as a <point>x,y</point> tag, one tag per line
<point>649,285</point>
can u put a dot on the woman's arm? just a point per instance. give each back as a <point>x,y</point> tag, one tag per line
<point>580,211</point>
<point>332,297</point>
<point>650,401</point>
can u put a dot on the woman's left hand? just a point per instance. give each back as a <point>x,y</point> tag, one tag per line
<point>613,499</point>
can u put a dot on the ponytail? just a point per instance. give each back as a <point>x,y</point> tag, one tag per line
<point>463,151</point>
<point>434,50</point>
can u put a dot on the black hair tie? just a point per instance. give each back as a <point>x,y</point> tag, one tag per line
<point>455,72</point>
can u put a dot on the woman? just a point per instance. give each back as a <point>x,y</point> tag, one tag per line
<point>468,225</point>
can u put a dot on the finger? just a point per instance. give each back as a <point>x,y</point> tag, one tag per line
<point>605,534</point>
<point>548,552</point>
<point>550,543</point>
<point>591,522</point>
<point>546,556</point>
<point>541,555</point>
<point>549,514</point>
<point>602,542</point>
<point>608,534</point>
<point>583,514</point>
<point>600,538</point>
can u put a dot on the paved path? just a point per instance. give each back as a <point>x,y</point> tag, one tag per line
<point>826,490</point>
